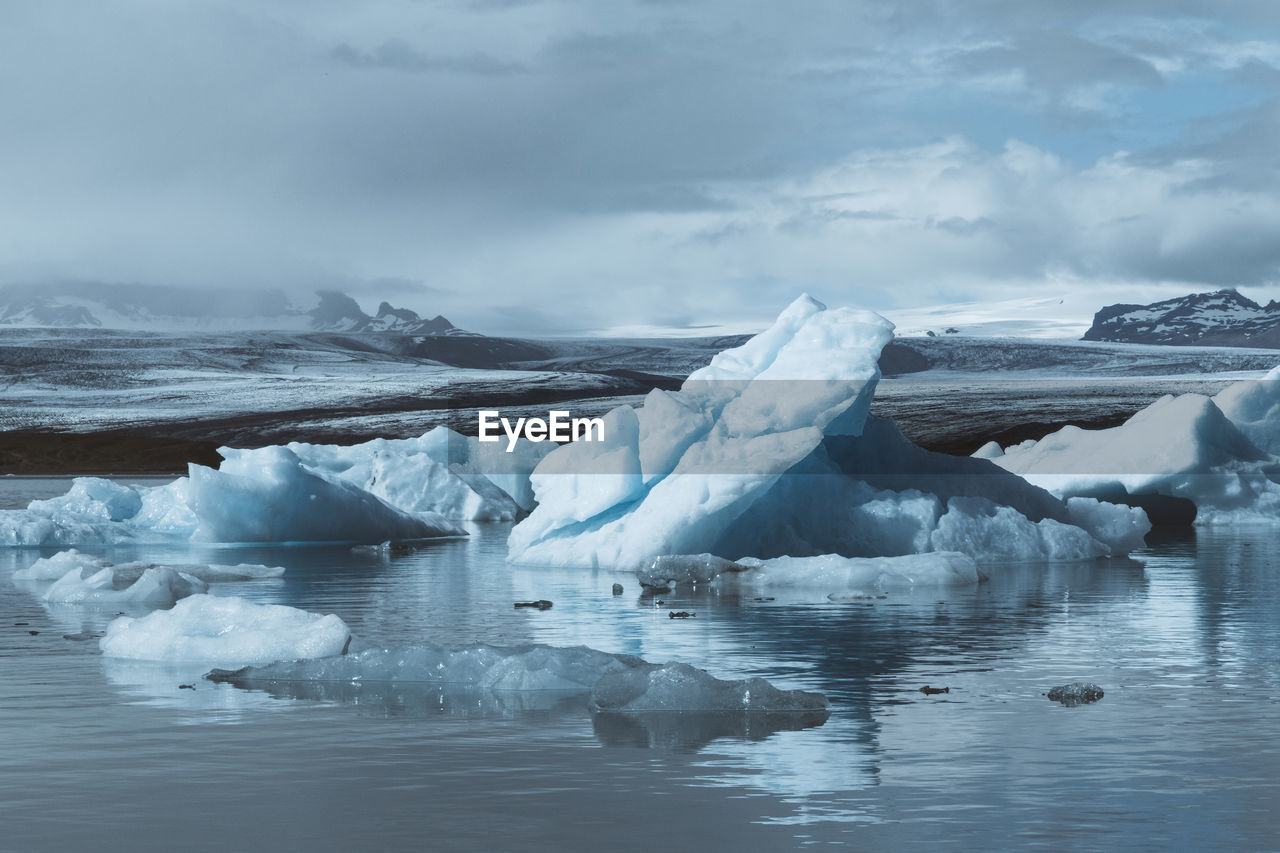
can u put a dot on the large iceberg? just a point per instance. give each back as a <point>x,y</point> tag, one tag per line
<point>1183,457</point>
<point>617,683</point>
<point>225,631</point>
<point>770,451</point>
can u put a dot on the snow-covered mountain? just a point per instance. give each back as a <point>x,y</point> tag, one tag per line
<point>1220,318</point>
<point>88,305</point>
<point>338,312</point>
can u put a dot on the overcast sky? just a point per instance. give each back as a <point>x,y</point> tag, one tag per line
<point>558,166</point>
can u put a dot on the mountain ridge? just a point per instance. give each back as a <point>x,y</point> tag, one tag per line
<point>1216,318</point>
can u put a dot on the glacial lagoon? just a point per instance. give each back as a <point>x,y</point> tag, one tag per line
<point>1183,635</point>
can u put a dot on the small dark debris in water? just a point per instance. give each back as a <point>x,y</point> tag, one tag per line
<point>186,687</point>
<point>1075,693</point>
<point>659,603</point>
<point>681,614</point>
<point>934,691</point>
<point>33,633</point>
<point>21,624</point>
<point>765,598</point>
<point>882,596</point>
<point>83,635</point>
<point>540,604</point>
<point>617,589</point>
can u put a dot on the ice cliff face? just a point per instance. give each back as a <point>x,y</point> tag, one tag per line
<point>769,451</point>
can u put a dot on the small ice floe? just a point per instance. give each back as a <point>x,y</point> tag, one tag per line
<point>226,631</point>
<point>82,579</point>
<point>829,576</point>
<point>152,587</point>
<point>1076,693</point>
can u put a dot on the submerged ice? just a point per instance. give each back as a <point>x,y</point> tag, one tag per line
<point>770,451</point>
<point>616,683</point>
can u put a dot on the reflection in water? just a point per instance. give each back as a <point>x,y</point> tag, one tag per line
<point>690,731</point>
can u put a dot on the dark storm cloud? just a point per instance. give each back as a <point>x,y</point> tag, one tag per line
<point>625,162</point>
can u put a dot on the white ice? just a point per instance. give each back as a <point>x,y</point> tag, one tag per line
<point>1214,452</point>
<point>457,476</point>
<point>154,587</point>
<point>265,495</point>
<point>225,631</point>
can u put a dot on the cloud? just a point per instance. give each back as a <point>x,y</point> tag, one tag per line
<point>574,166</point>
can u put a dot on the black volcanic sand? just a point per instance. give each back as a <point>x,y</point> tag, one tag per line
<point>101,453</point>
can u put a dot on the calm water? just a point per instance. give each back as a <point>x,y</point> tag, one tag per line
<point>1182,752</point>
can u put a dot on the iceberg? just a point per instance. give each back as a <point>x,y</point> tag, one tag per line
<point>616,683</point>
<point>266,495</point>
<point>459,477</point>
<point>226,631</point>
<point>1182,458</point>
<point>770,451</point>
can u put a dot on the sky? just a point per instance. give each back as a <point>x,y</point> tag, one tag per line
<point>559,167</point>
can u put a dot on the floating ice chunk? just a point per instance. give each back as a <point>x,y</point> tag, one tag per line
<point>153,587</point>
<point>92,499</point>
<point>680,687</point>
<point>226,632</point>
<point>57,566</point>
<point>529,667</point>
<point>993,533</point>
<point>269,496</point>
<point>216,573</point>
<point>621,683</point>
<point>1121,528</point>
<point>832,573</point>
<point>685,568</point>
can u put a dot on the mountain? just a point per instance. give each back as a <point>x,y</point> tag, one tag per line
<point>108,305</point>
<point>134,307</point>
<point>1220,318</point>
<point>338,312</point>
